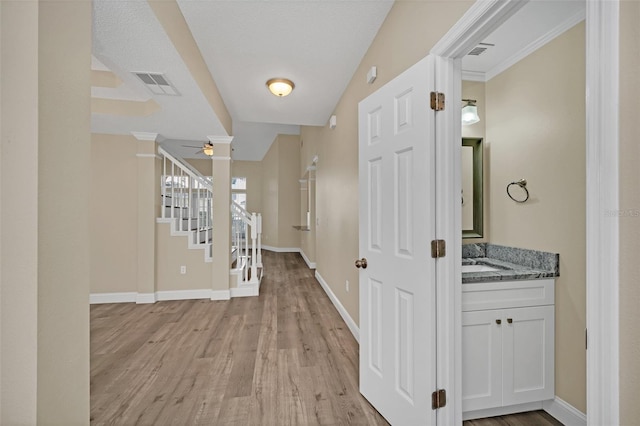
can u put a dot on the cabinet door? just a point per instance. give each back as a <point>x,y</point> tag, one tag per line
<point>528,354</point>
<point>481,360</point>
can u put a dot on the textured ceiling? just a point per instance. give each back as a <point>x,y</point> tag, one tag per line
<point>127,37</point>
<point>316,44</point>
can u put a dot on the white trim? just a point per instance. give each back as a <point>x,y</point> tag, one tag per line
<point>449,228</point>
<point>220,139</point>
<point>536,44</point>
<point>145,136</point>
<point>474,76</point>
<point>220,157</point>
<point>143,298</point>
<point>281,249</point>
<point>245,291</point>
<point>480,20</point>
<point>100,298</point>
<point>311,168</point>
<point>564,412</point>
<point>310,264</point>
<point>220,294</point>
<point>502,411</point>
<point>602,79</point>
<point>142,155</point>
<point>183,294</point>
<point>341,310</point>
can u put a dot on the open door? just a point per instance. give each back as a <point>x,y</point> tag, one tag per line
<point>397,224</point>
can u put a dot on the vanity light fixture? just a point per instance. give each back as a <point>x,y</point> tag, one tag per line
<point>280,87</point>
<point>469,112</point>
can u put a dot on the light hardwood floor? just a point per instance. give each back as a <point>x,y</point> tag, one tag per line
<point>283,358</point>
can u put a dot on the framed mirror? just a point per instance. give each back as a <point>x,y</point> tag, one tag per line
<point>472,188</point>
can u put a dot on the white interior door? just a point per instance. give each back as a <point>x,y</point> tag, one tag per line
<point>397,223</point>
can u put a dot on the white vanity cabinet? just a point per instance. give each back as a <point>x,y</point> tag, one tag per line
<point>507,344</point>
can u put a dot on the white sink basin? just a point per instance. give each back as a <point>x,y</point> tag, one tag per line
<point>478,268</point>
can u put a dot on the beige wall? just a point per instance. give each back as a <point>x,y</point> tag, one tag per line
<point>252,170</point>
<point>18,227</point>
<point>308,151</point>
<point>288,191</point>
<point>204,166</point>
<point>281,193</point>
<point>476,90</point>
<point>406,36</point>
<point>113,223</point>
<point>629,223</point>
<point>172,252</point>
<point>64,31</point>
<point>543,141</point>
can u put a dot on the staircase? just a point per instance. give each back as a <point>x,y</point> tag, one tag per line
<point>187,205</point>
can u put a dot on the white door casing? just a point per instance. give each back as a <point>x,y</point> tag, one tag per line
<point>397,223</point>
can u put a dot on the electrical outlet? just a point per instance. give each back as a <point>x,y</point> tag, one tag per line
<point>183,270</point>
<point>347,285</point>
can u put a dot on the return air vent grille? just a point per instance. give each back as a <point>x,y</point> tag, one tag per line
<point>480,49</point>
<point>157,83</point>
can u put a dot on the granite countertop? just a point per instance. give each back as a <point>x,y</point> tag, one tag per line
<point>513,263</point>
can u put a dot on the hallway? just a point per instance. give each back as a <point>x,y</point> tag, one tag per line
<point>283,358</point>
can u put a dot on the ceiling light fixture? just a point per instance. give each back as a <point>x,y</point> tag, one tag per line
<point>470,112</point>
<point>280,87</point>
<point>207,149</point>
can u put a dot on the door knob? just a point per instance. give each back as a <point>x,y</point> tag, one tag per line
<point>361,263</point>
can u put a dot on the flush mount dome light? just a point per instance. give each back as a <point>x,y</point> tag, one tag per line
<point>469,112</point>
<point>280,86</point>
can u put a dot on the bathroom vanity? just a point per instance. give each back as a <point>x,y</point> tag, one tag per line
<point>507,329</point>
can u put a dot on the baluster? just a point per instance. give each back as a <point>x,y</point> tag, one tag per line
<point>254,254</point>
<point>163,186</point>
<point>190,203</point>
<point>259,232</point>
<point>181,198</point>
<point>173,198</point>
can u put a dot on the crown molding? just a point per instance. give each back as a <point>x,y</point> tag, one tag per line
<point>536,44</point>
<point>220,139</point>
<point>145,136</point>
<point>474,76</point>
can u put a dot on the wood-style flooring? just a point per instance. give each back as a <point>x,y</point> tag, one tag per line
<point>283,358</point>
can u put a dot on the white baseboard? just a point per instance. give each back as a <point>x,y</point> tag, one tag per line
<point>220,294</point>
<point>142,298</point>
<point>183,294</point>
<point>561,410</point>
<point>310,264</point>
<point>281,249</point>
<point>99,298</point>
<point>565,413</point>
<point>245,291</point>
<point>341,310</point>
<point>501,411</point>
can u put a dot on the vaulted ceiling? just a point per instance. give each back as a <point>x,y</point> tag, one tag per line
<point>228,49</point>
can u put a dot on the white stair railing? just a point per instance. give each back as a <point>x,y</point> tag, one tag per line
<point>247,224</point>
<point>187,198</point>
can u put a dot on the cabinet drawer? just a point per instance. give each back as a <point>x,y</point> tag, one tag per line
<point>507,294</point>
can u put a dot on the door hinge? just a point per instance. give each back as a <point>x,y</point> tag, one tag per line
<point>438,399</point>
<point>437,101</point>
<point>438,248</point>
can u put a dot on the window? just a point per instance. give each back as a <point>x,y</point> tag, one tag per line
<point>239,190</point>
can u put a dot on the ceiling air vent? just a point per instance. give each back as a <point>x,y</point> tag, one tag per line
<point>480,49</point>
<point>157,83</point>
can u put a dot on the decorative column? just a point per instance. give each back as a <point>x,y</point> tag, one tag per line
<point>221,250</point>
<point>148,188</point>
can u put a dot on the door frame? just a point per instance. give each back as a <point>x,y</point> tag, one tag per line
<point>602,168</point>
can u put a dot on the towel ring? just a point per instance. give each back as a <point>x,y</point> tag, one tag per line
<point>522,183</point>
